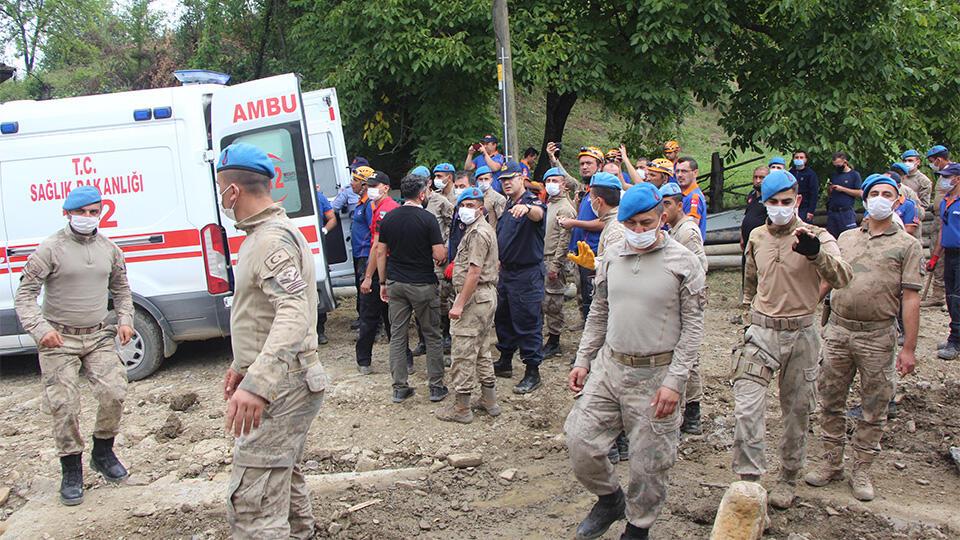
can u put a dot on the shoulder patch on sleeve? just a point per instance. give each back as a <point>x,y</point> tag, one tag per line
<point>278,258</point>
<point>290,280</point>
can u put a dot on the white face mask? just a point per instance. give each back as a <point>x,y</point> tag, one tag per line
<point>911,166</point>
<point>438,183</point>
<point>781,215</point>
<point>467,215</point>
<point>458,191</point>
<point>484,186</point>
<point>641,240</point>
<point>879,207</point>
<point>229,212</point>
<point>84,224</point>
<point>553,189</point>
<point>934,168</point>
<point>596,212</point>
<point>373,193</point>
<point>946,184</point>
<point>642,173</point>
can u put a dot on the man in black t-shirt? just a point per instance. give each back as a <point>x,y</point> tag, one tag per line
<point>409,246</point>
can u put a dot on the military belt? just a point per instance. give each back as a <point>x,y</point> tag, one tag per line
<point>74,331</point>
<point>860,326</point>
<point>781,323</point>
<point>648,361</point>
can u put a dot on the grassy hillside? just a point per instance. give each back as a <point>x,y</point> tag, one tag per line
<point>589,125</point>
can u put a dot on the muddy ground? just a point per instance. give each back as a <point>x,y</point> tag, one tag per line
<point>179,460</point>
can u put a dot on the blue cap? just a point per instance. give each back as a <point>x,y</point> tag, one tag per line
<point>551,172</point>
<point>245,157</point>
<point>909,153</point>
<point>470,193</point>
<point>81,196</point>
<point>936,150</point>
<point>669,189</point>
<point>952,169</point>
<point>902,167</point>
<point>775,182</point>
<point>777,160</point>
<point>509,170</point>
<point>420,170</point>
<point>444,167</point>
<point>481,170</point>
<point>605,179</point>
<point>875,179</point>
<point>640,198</point>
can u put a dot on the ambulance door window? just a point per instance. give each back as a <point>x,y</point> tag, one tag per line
<point>291,183</point>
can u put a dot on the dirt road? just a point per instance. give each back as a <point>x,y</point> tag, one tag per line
<point>179,459</point>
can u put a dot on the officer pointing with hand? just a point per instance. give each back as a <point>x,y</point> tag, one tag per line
<point>77,267</point>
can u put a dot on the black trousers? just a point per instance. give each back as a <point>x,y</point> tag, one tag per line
<point>373,312</point>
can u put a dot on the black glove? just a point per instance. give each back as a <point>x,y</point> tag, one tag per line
<point>807,245</point>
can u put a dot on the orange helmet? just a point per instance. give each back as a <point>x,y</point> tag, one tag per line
<point>613,153</point>
<point>671,146</point>
<point>591,151</point>
<point>661,165</point>
<point>361,174</point>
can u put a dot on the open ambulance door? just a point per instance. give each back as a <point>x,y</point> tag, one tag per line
<point>9,326</point>
<point>269,113</point>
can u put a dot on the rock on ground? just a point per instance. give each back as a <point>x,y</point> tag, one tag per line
<point>462,461</point>
<point>742,513</point>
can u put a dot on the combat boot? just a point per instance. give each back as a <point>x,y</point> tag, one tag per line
<point>458,411</point>
<point>860,481</point>
<point>552,347</point>
<point>634,533</point>
<point>71,484</point>
<point>830,469</point>
<point>785,491</point>
<point>608,510</point>
<point>105,462</point>
<point>487,401</point>
<point>691,419</point>
<point>949,352</point>
<point>530,381</point>
<point>504,366</point>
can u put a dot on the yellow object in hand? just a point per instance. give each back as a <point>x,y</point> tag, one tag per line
<point>584,257</point>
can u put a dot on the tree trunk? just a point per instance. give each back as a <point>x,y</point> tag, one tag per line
<point>264,37</point>
<point>558,109</point>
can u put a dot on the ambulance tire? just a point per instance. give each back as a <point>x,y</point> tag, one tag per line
<point>144,354</point>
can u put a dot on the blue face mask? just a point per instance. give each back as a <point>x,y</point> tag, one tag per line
<point>798,163</point>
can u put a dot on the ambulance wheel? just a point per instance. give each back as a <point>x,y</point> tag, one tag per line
<point>143,355</point>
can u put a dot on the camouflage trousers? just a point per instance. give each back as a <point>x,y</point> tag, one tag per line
<point>553,302</point>
<point>60,369</point>
<point>446,295</point>
<point>472,345</point>
<point>267,497</point>
<point>872,354</point>
<point>792,356</point>
<point>617,398</point>
<point>937,288</point>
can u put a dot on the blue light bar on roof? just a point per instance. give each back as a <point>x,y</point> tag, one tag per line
<point>162,112</point>
<point>200,76</point>
<point>140,115</point>
<point>9,128</point>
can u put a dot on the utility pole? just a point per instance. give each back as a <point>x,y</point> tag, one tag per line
<point>508,107</point>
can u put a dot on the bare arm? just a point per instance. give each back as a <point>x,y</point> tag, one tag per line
<point>372,258</point>
<point>329,220</point>
<point>381,261</point>
<point>439,254</point>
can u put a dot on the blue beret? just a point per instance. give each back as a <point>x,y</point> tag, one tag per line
<point>875,179</point>
<point>936,150</point>
<point>444,167</point>
<point>470,193</point>
<point>420,170</point>
<point>509,170</point>
<point>902,167</point>
<point>605,179</point>
<point>552,172</point>
<point>669,189</point>
<point>777,160</point>
<point>81,196</point>
<point>640,198</point>
<point>245,157</point>
<point>481,170</point>
<point>909,153</point>
<point>952,169</point>
<point>775,182</point>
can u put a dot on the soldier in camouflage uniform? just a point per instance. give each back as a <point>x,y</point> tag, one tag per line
<point>938,157</point>
<point>861,335</point>
<point>274,387</point>
<point>685,230</point>
<point>77,267</point>
<point>471,317</point>
<point>494,203</point>
<point>636,372</point>
<point>440,205</point>
<point>556,241</point>
<point>786,261</point>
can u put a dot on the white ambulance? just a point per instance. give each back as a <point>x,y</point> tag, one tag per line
<point>151,153</point>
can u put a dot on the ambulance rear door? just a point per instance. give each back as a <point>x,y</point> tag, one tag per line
<point>269,113</point>
<point>328,158</point>
<point>9,326</point>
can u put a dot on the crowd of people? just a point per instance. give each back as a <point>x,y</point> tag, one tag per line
<point>479,260</point>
